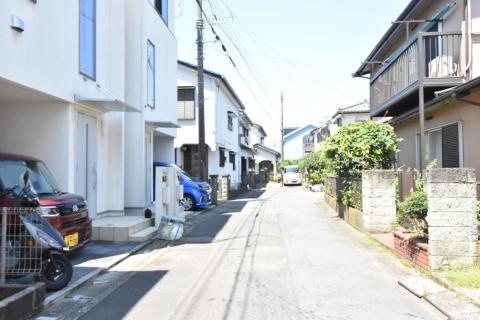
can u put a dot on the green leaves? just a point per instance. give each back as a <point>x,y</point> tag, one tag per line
<point>360,146</point>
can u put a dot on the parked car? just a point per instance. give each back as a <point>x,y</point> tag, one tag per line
<point>66,212</point>
<point>196,193</point>
<point>291,175</point>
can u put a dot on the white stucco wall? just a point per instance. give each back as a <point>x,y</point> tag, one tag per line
<point>293,149</point>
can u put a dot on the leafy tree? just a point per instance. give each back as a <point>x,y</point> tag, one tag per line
<point>360,146</point>
<point>315,167</point>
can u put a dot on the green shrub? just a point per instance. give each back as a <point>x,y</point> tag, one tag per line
<point>413,211</point>
<point>360,146</point>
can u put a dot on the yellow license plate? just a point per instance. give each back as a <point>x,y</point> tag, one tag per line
<point>72,239</point>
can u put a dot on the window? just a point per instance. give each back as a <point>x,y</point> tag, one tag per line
<point>443,145</point>
<point>186,104</point>
<point>230,122</point>
<point>162,9</point>
<point>222,158</point>
<point>150,74</point>
<point>262,140</point>
<point>87,54</point>
<point>232,159</point>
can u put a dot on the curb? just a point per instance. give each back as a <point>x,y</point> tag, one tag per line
<point>65,291</point>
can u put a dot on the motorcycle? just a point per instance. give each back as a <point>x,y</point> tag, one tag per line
<point>43,241</point>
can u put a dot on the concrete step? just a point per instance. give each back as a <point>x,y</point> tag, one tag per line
<point>143,235</point>
<point>118,228</point>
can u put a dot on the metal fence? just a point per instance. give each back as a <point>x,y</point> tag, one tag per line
<point>20,254</point>
<point>336,187</point>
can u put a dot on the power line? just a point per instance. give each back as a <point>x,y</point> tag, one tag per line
<point>241,53</point>
<point>288,61</point>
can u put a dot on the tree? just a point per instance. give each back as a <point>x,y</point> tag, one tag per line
<point>360,146</point>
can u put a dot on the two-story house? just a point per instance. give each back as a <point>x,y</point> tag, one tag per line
<point>431,54</point>
<point>247,153</point>
<point>90,88</point>
<point>265,158</point>
<point>223,108</point>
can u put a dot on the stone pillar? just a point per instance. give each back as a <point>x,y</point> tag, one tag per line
<point>378,200</point>
<point>224,190</point>
<point>452,217</point>
<point>214,185</point>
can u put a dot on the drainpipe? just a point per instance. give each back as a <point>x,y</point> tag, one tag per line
<point>470,41</point>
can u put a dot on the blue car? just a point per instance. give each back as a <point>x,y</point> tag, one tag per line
<point>196,194</point>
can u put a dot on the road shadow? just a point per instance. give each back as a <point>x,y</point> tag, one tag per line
<point>205,227</point>
<point>118,304</point>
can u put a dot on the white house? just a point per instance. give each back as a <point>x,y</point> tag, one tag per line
<point>293,142</point>
<point>265,158</point>
<point>222,110</point>
<point>90,88</point>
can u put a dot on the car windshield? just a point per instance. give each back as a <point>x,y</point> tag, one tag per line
<point>291,170</point>
<point>41,179</point>
<point>184,176</point>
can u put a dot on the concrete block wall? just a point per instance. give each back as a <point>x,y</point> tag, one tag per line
<point>452,218</point>
<point>224,189</point>
<point>378,200</point>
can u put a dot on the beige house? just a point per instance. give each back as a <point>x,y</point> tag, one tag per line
<point>437,43</point>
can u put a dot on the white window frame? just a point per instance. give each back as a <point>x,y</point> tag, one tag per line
<point>427,133</point>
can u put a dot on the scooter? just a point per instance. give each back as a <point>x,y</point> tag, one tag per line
<point>56,269</point>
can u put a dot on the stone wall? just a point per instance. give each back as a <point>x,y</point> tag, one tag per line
<point>224,188</point>
<point>378,200</point>
<point>452,219</point>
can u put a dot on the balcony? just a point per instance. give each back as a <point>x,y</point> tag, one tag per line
<point>394,87</point>
<point>245,141</point>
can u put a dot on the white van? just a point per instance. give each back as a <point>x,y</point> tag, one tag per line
<point>291,175</point>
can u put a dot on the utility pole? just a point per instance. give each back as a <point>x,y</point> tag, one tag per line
<point>281,124</point>
<point>201,98</point>
<point>421,99</point>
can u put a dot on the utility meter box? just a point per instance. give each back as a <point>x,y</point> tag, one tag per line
<point>168,194</point>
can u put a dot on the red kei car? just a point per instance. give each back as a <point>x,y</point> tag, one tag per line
<point>66,212</point>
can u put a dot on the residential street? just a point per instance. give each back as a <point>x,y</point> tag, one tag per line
<point>281,253</point>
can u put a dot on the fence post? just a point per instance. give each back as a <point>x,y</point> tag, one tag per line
<point>214,185</point>
<point>378,200</point>
<point>452,217</point>
<point>3,249</point>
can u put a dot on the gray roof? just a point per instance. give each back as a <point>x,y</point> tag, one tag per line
<point>362,107</point>
<point>287,130</point>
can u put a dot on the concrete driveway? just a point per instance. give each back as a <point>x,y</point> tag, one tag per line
<point>278,254</point>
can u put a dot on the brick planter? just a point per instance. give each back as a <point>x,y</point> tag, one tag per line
<point>414,250</point>
<point>21,301</point>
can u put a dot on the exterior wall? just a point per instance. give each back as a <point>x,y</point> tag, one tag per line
<point>293,149</point>
<point>54,68</point>
<point>188,134</point>
<point>457,111</point>
<point>162,149</point>
<point>143,24</point>
<point>218,102</point>
<point>32,135</point>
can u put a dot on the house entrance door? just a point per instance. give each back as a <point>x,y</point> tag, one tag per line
<point>86,161</point>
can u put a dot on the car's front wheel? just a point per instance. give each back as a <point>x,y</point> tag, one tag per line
<point>188,202</point>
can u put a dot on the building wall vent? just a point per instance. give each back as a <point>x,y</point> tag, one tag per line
<point>17,24</point>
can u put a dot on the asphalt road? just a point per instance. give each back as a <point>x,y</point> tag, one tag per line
<point>279,254</point>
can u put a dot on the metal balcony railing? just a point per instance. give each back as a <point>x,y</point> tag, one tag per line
<point>443,57</point>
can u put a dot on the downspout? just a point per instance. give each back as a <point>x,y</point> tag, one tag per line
<point>470,41</point>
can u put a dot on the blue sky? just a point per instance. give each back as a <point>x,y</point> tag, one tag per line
<point>307,48</point>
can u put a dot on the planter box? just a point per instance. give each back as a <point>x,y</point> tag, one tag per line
<point>354,217</point>
<point>21,301</point>
<point>414,250</point>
